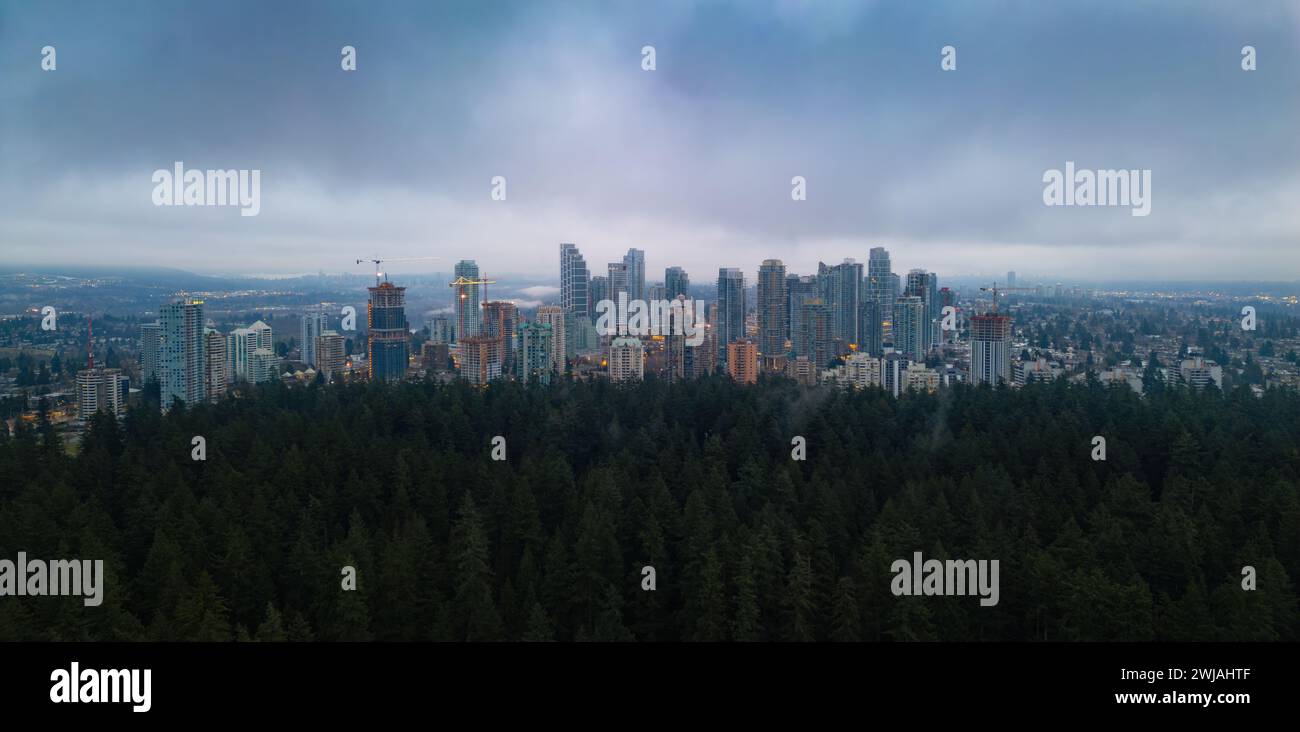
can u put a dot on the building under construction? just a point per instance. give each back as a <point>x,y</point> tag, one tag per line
<point>990,352</point>
<point>389,336</point>
<point>479,358</point>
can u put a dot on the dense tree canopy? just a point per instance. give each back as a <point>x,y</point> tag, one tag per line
<point>695,479</point>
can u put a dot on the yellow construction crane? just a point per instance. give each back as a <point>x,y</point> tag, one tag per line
<point>377,262</point>
<point>995,290</point>
<point>463,282</point>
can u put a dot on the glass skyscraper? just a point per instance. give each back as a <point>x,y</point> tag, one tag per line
<point>676,282</point>
<point>799,289</point>
<point>315,321</point>
<point>730,325</point>
<point>909,330</point>
<point>841,290</point>
<point>150,338</point>
<point>180,352</point>
<point>389,336</point>
<point>772,309</point>
<point>925,285</point>
<point>573,281</point>
<point>634,260</point>
<point>618,284</point>
<point>812,332</point>
<point>870,337</point>
<point>469,319</point>
<point>534,352</point>
<point>880,282</point>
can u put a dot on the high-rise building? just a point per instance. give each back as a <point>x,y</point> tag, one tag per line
<point>869,335</point>
<point>841,291</point>
<point>925,285</point>
<point>599,290</point>
<point>880,282</point>
<point>799,289</point>
<point>535,352</point>
<point>573,281</point>
<point>554,316</point>
<point>468,315</point>
<point>676,282</point>
<point>634,261</point>
<point>500,321</point>
<point>150,337</point>
<point>180,352</point>
<point>1011,279</point>
<point>618,285</point>
<point>626,360</point>
<point>675,346</point>
<point>577,300</point>
<point>101,389</point>
<point>909,327</point>
<point>619,281</point>
<point>241,344</point>
<point>947,298</point>
<point>773,309</point>
<point>990,352</point>
<point>262,335</point>
<point>216,364</point>
<point>812,337</point>
<point>730,323</point>
<point>702,360</point>
<point>742,361</point>
<point>330,356</point>
<point>933,309</point>
<point>440,330</point>
<point>893,371</point>
<point>314,322</point>
<point>263,366</point>
<point>389,337</point>
<point>480,359</point>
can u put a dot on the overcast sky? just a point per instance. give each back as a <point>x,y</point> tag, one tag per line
<point>691,162</point>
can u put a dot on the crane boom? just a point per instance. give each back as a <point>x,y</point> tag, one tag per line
<point>377,262</point>
<point>995,290</point>
<point>462,282</point>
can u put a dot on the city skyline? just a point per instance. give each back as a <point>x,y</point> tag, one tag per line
<point>691,162</point>
<point>329,324</point>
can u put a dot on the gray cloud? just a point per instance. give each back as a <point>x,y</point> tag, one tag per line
<point>691,162</point>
